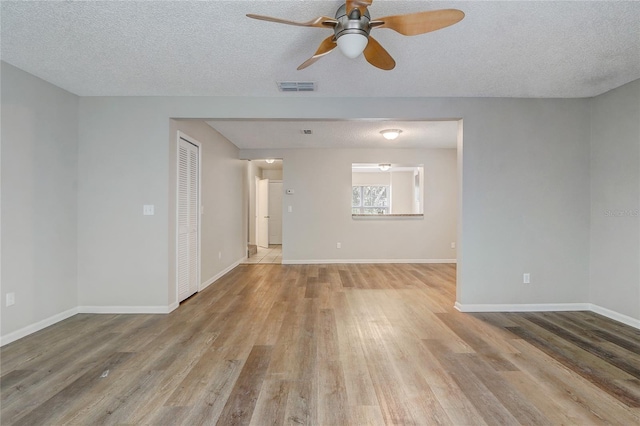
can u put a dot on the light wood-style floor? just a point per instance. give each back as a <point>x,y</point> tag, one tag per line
<point>325,345</point>
<point>271,254</point>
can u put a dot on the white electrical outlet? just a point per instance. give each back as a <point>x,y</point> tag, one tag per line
<point>219,255</point>
<point>453,245</point>
<point>338,245</point>
<point>11,299</point>
<point>290,209</point>
<point>148,210</point>
<point>526,278</point>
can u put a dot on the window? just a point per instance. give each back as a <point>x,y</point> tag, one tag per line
<point>370,199</point>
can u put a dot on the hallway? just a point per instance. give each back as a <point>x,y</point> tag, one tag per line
<point>272,255</point>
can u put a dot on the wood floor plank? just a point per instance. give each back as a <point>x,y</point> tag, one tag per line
<point>624,361</point>
<point>333,403</point>
<point>340,344</point>
<point>493,412</point>
<point>51,377</point>
<point>596,371</point>
<point>271,404</point>
<point>387,384</point>
<point>207,408</point>
<point>357,377</point>
<point>510,398</point>
<point>242,401</point>
<point>49,411</point>
<point>13,380</point>
<point>576,395</point>
<point>553,411</point>
<point>365,415</point>
<point>459,325</point>
<point>51,340</point>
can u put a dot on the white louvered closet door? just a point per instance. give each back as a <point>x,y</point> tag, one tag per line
<point>188,219</point>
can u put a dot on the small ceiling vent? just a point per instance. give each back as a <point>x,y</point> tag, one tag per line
<point>307,131</point>
<point>296,86</point>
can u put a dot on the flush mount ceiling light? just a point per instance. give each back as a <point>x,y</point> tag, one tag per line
<point>384,167</point>
<point>391,134</point>
<point>270,160</point>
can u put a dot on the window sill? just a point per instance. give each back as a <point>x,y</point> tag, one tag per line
<point>387,216</point>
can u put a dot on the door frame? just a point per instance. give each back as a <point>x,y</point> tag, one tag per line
<point>259,227</point>
<point>187,138</point>
<point>277,181</point>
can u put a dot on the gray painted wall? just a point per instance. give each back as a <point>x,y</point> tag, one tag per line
<point>526,193</point>
<point>525,190</point>
<point>123,163</point>
<point>525,202</point>
<point>128,261</point>
<point>39,199</point>
<point>615,200</point>
<point>321,216</point>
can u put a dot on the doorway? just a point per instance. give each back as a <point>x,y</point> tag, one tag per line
<point>265,211</point>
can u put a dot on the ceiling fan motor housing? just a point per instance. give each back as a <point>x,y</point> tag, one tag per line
<point>355,23</point>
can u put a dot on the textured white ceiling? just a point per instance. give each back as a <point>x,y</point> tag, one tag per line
<point>274,134</point>
<point>505,48</point>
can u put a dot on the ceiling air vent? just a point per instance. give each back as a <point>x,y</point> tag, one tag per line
<point>296,86</point>
<point>307,131</point>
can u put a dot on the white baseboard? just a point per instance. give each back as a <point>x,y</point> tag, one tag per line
<point>172,307</point>
<point>124,309</point>
<point>30,329</point>
<point>523,307</point>
<point>220,274</point>
<point>549,307</point>
<point>616,316</point>
<point>343,261</point>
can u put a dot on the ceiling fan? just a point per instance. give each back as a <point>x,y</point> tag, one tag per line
<point>352,25</point>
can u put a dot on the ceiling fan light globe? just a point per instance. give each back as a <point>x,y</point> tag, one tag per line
<point>352,45</point>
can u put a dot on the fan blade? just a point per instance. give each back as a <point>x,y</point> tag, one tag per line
<point>319,22</point>
<point>420,22</point>
<point>377,56</point>
<point>360,4</point>
<point>327,45</point>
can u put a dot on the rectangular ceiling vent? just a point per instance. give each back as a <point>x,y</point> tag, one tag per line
<point>307,131</point>
<point>296,86</point>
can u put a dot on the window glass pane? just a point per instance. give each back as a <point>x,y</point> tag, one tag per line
<point>375,196</point>
<point>356,198</point>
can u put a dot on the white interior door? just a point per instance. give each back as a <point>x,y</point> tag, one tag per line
<point>263,213</point>
<point>187,264</point>
<point>275,212</point>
